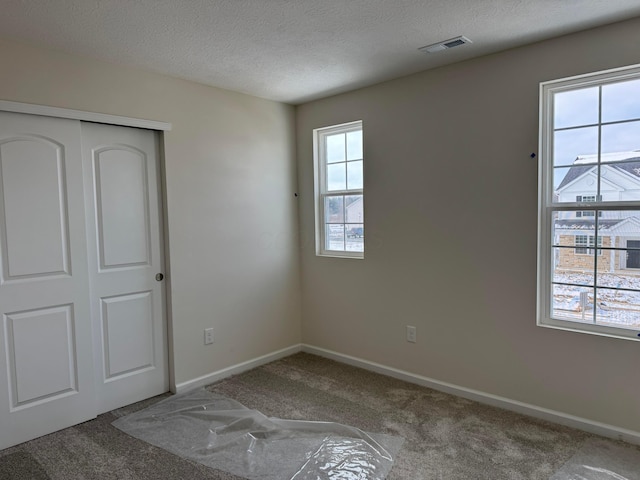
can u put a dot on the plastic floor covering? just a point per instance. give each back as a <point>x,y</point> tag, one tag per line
<point>221,433</point>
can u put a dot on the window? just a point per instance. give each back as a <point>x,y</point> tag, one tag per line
<point>585,241</point>
<point>589,204</point>
<point>586,199</point>
<point>339,190</point>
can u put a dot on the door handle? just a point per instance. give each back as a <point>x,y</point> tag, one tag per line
<point>159,277</point>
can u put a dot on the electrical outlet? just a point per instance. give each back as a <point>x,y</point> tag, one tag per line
<point>411,334</point>
<point>208,336</point>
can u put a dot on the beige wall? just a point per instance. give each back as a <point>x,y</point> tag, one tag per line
<point>230,176</point>
<point>451,222</point>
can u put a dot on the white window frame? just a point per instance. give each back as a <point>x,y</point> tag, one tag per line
<point>321,190</point>
<point>547,207</point>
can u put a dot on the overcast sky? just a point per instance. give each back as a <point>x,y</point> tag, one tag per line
<point>576,109</point>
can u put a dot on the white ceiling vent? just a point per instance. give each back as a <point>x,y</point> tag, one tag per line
<point>447,44</point>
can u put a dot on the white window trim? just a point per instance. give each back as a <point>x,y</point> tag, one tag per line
<point>320,190</point>
<point>546,207</point>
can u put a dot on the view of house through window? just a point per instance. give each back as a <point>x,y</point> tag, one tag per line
<point>339,190</point>
<point>586,199</point>
<point>590,204</point>
<point>584,241</point>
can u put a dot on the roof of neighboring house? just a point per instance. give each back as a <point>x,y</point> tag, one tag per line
<point>353,202</point>
<point>586,223</point>
<point>579,168</point>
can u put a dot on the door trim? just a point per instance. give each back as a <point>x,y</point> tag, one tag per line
<point>46,111</point>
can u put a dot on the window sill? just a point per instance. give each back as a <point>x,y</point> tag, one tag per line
<point>340,255</point>
<point>591,329</point>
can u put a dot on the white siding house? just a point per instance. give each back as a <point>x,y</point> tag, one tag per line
<point>620,180</point>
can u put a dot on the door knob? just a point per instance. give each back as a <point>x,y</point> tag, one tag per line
<point>159,277</point>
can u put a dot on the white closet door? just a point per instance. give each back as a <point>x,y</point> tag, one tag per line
<point>125,256</point>
<point>46,382</point>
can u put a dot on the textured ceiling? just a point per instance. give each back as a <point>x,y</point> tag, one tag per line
<point>294,50</point>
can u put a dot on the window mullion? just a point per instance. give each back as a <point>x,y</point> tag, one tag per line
<point>598,196</point>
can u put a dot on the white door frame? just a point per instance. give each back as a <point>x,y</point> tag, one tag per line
<point>47,111</point>
<point>161,127</point>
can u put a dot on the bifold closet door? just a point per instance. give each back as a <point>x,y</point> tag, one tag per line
<point>46,367</point>
<point>125,264</point>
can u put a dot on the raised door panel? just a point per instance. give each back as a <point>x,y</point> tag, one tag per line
<point>122,211</point>
<point>41,353</point>
<point>33,213</point>
<point>127,322</point>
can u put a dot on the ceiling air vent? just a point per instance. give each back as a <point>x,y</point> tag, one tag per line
<point>447,44</point>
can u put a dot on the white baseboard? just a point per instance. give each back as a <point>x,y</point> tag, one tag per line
<point>579,423</point>
<point>236,369</point>
<point>584,424</point>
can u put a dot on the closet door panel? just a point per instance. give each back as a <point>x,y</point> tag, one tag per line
<point>46,370</point>
<point>125,256</point>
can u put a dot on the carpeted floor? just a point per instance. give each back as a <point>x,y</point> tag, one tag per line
<point>446,437</point>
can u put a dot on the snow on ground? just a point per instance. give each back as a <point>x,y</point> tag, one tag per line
<point>615,307</point>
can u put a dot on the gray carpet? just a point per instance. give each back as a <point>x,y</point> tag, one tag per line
<point>446,437</point>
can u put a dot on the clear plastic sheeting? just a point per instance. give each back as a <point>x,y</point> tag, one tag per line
<point>602,460</point>
<point>221,433</point>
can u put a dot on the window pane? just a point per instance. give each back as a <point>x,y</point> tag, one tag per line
<point>572,303</point>
<point>576,146</point>
<point>621,101</point>
<point>335,148</point>
<point>560,216</point>
<point>616,189</point>
<point>621,225</point>
<point>354,208</point>
<point>622,268</point>
<point>619,268</point>
<point>571,183</point>
<point>563,228</point>
<point>354,145</point>
<point>571,268</point>
<point>334,209</point>
<point>575,108</point>
<point>567,229</point>
<point>621,137</point>
<point>336,177</point>
<point>355,237</point>
<point>335,236</point>
<point>617,308</point>
<point>354,175</point>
